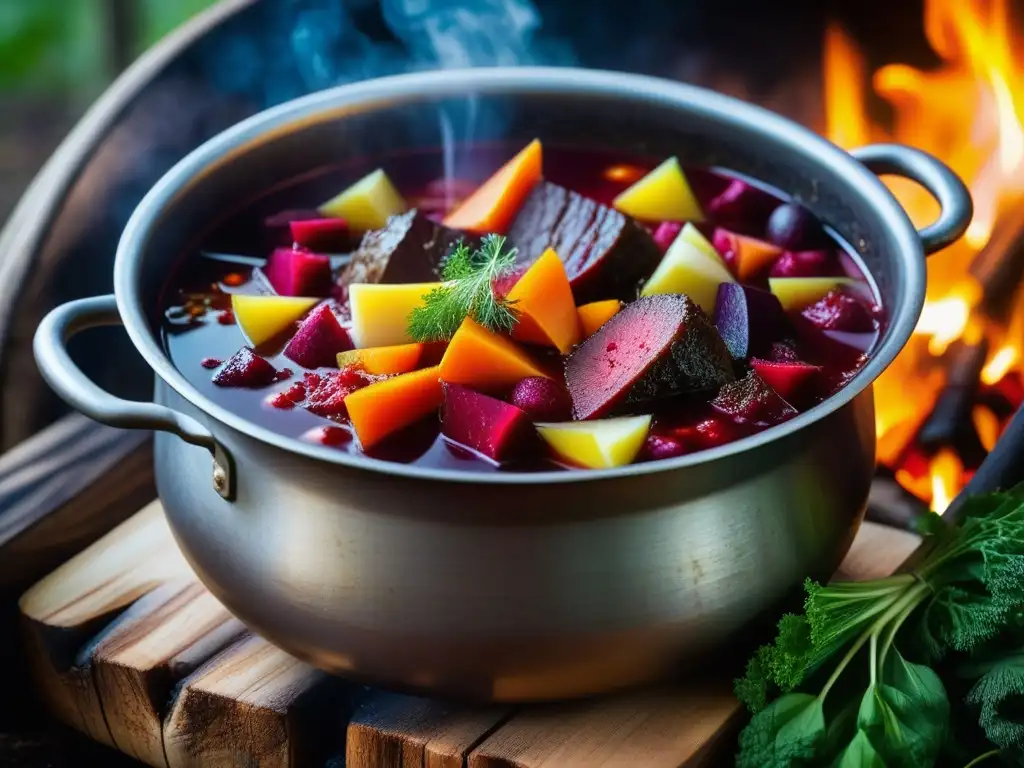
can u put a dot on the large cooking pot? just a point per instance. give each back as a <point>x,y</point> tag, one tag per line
<point>507,586</point>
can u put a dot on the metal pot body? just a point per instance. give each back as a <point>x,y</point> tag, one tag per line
<point>510,586</point>
<point>535,592</point>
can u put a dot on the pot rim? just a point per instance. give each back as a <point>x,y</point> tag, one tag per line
<point>425,86</point>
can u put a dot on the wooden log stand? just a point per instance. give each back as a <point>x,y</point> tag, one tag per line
<point>128,647</point>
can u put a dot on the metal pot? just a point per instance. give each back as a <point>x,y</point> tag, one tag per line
<point>507,586</point>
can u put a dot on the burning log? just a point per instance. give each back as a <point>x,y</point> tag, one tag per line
<point>1002,468</point>
<point>999,267</point>
<point>889,503</point>
<point>950,423</point>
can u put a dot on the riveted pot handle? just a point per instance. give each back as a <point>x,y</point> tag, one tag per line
<point>68,381</point>
<point>955,207</point>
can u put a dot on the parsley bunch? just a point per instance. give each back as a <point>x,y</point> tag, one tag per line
<point>468,291</point>
<point>921,667</point>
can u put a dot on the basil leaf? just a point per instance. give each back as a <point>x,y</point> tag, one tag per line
<point>906,713</point>
<point>860,753</point>
<point>788,732</point>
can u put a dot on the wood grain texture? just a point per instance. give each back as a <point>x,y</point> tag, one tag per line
<point>63,489</point>
<point>254,705</point>
<point>139,659</point>
<point>393,730</point>
<point>664,728</point>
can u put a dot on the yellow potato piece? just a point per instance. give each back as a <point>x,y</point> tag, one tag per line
<point>261,318</point>
<point>597,444</point>
<point>691,268</point>
<point>368,203</point>
<point>795,293</point>
<point>664,194</point>
<point>380,311</point>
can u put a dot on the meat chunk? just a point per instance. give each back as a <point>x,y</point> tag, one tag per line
<point>605,252</point>
<point>659,346</point>
<point>408,250</point>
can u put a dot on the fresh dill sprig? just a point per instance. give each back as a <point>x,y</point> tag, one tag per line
<point>468,291</point>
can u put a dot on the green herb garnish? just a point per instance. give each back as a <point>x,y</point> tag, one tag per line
<point>468,292</point>
<point>834,690</point>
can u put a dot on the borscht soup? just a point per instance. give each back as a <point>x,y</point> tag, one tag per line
<point>567,309</point>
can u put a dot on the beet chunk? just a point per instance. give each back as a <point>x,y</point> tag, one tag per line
<point>793,227</point>
<point>325,394</point>
<point>789,379</point>
<point>748,319</point>
<point>487,425</point>
<point>321,234</point>
<point>740,206</point>
<point>542,399</point>
<point>245,369</point>
<point>319,340</point>
<point>294,272</point>
<point>657,346</point>
<point>605,252</point>
<point>751,400</point>
<point>838,310</point>
<point>408,250</point>
<point>805,264</point>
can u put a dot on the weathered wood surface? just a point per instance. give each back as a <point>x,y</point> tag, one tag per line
<point>128,647</point>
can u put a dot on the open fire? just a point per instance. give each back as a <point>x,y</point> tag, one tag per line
<point>945,400</point>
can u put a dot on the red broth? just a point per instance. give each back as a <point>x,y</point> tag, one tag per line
<point>200,334</point>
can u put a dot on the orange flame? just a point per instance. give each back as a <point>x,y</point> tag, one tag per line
<point>966,111</point>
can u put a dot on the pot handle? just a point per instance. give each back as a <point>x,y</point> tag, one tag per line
<point>68,381</point>
<point>955,206</point>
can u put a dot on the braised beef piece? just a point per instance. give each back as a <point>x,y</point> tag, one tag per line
<point>407,250</point>
<point>605,252</point>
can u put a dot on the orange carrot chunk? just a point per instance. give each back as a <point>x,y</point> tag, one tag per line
<point>398,358</point>
<point>493,205</point>
<point>596,313</point>
<point>483,360</point>
<point>544,303</point>
<point>388,406</point>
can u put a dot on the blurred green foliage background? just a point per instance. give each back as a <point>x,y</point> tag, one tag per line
<point>74,47</point>
<point>56,57</point>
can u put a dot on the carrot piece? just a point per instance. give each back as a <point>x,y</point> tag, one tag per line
<point>495,202</point>
<point>480,359</point>
<point>597,313</point>
<point>384,408</point>
<point>544,303</point>
<point>397,358</point>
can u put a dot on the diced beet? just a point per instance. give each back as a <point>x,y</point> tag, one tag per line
<point>657,346</point>
<point>329,235</point>
<point>839,310</point>
<point>793,227</point>
<point>666,233</point>
<point>748,319</point>
<point>740,206</point>
<point>210,362</point>
<point>289,398</point>
<point>298,273</point>
<point>542,399</point>
<point>819,263</point>
<point>409,249</point>
<point>662,447</point>
<point>319,339</point>
<point>245,369</point>
<point>487,425</point>
<point>605,252</point>
<point>226,317</point>
<point>753,401</point>
<point>790,379</point>
<point>334,437</point>
<point>326,393</point>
